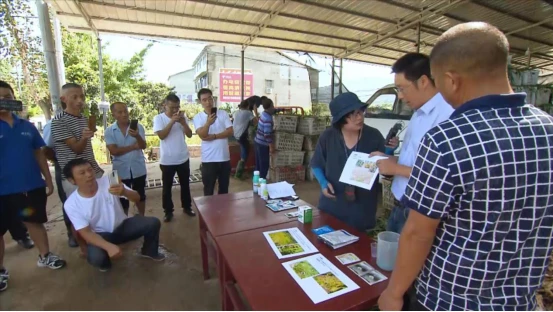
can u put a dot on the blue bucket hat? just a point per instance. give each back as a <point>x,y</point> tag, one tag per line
<point>344,104</point>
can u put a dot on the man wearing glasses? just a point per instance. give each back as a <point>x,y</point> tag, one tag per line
<point>417,89</point>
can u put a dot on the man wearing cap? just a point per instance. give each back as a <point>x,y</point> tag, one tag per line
<point>353,205</point>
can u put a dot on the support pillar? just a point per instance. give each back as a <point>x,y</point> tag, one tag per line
<point>340,78</point>
<point>242,74</point>
<point>419,38</point>
<point>332,81</point>
<point>48,46</point>
<point>104,106</point>
<point>59,50</point>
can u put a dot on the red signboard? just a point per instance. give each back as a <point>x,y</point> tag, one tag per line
<point>230,85</point>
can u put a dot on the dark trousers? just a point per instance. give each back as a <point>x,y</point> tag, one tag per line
<point>62,196</point>
<point>167,176</point>
<point>17,229</point>
<point>213,171</point>
<point>136,184</point>
<point>131,229</point>
<point>262,159</point>
<point>244,145</point>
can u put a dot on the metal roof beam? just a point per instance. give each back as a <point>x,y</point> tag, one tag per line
<point>274,13</point>
<point>511,14</point>
<point>463,20</point>
<point>407,23</point>
<point>87,18</point>
<point>236,22</point>
<point>219,42</point>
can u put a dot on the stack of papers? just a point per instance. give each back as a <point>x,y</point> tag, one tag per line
<point>280,190</point>
<point>338,238</point>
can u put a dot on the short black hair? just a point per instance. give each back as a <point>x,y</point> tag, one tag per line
<point>6,85</point>
<point>172,97</point>
<point>254,101</point>
<point>204,91</point>
<point>344,120</point>
<point>266,102</point>
<point>413,66</point>
<point>71,85</point>
<point>112,106</point>
<point>68,169</point>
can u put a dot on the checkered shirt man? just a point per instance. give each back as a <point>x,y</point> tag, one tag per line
<point>486,173</point>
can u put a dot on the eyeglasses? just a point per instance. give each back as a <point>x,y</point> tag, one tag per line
<point>358,112</point>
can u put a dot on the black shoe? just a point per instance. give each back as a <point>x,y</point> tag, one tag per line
<point>168,217</point>
<point>72,242</point>
<point>26,243</point>
<point>4,276</point>
<point>159,257</point>
<point>189,212</point>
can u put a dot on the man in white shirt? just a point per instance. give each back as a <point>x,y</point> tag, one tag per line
<point>214,128</point>
<point>171,127</point>
<point>98,217</point>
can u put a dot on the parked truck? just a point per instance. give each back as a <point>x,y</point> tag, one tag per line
<point>385,110</point>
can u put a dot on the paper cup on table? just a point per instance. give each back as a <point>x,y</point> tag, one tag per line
<point>387,250</point>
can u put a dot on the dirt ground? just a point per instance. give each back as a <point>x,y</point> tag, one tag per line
<point>134,283</point>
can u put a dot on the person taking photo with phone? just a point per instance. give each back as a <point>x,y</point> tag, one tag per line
<point>171,127</point>
<point>214,128</point>
<point>98,217</point>
<point>25,184</point>
<point>125,140</point>
<point>352,205</point>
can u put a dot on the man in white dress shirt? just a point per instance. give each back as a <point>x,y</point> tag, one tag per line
<point>171,127</point>
<point>214,128</point>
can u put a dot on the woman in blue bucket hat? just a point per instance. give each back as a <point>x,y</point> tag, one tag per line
<point>353,205</point>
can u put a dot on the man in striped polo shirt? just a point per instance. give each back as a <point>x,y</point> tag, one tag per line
<point>71,134</point>
<point>478,236</point>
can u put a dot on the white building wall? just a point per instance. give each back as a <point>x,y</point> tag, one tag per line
<point>290,79</point>
<point>184,85</point>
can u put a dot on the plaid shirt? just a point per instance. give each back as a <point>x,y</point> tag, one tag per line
<point>478,173</point>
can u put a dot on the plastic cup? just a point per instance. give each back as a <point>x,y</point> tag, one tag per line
<point>374,249</point>
<point>387,250</point>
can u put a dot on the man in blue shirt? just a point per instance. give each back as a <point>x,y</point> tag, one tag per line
<point>416,88</point>
<point>478,236</point>
<point>126,145</point>
<point>23,192</point>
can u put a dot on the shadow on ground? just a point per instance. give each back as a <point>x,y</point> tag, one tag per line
<point>134,283</point>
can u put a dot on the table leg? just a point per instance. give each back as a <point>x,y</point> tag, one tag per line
<point>203,246</point>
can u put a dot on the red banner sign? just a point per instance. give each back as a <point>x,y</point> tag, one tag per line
<point>230,84</point>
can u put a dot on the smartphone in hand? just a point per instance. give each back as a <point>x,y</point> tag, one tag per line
<point>214,110</point>
<point>92,123</point>
<point>113,178</point>
<point>134,124</point>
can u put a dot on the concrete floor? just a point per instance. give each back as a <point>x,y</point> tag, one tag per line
<point>134,283</point>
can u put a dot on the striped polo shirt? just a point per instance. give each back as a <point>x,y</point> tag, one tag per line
<point>66,126</point>
<point>264,134</point>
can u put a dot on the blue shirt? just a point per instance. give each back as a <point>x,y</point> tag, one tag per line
<point>47,134</point>
<point>132,164</point>
<point>19,169</point>
<point>425,118</point>
<point>264,134</point>
<point>485,174</point>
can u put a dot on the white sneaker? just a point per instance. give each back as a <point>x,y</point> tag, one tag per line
<point>51,261</point>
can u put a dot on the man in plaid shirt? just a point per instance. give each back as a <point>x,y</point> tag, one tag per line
<point>481,188</point>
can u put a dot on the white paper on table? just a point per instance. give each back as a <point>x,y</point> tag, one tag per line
<point>360,170</point>
<point>281,190</point>
<point>312,272</point>
<point>287,243</point>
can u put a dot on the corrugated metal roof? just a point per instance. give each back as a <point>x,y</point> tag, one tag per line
<point>375,31</point>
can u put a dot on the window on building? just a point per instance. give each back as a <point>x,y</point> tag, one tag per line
<point>269,84</point>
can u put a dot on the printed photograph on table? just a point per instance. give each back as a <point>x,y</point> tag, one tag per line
<point>289,243</point>
<point>360,170</point>
<point>367,273</point>
<point>347,258</point>
<point>279,205</point>
<point>304,269</point>
<point>319,278</point>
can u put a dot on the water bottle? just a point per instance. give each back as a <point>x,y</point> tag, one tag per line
<point>264,190</point>
<point>259,191</point>
<point>255,182</point>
